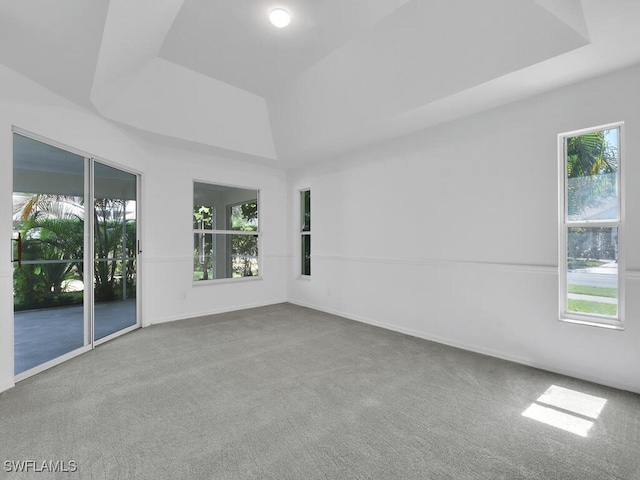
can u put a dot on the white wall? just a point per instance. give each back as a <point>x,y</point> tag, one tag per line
<point>167,292</point>
<point>451,234</point>
<point>169,186</point>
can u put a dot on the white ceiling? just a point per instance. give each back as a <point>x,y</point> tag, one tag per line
<point>233,42</point>
<point>57,51</point>
<point>214,75</point>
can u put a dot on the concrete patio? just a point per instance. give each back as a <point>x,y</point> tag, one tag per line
<point>42,335</point>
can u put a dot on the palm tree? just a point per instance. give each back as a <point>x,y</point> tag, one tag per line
<point>590,162</point>
<point>52,227</point>
<point>109,215</point>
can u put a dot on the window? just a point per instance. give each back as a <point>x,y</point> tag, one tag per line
<point>591,287</point>
<point>305,231</point>
<point>226,233</point>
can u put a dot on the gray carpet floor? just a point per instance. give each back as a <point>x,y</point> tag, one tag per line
<point>284,392</point>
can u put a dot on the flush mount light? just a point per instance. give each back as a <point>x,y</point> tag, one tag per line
<point>279,17</point>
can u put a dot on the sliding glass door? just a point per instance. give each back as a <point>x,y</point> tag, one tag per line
<point>115,250</point>
<point>75,224</point>
<point>49,213</point>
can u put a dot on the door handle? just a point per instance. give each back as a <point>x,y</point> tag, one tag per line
<point>139,249</point>
<point>19,240</point>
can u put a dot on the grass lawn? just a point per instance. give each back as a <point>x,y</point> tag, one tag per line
<point>610,292</point>
<point>585,306</point>
<point>197,276</point>
<point>574,263</point>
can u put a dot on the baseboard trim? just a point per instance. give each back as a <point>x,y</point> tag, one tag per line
<point>472,348</point>
<point>6,386</point>
<point>175,318</point>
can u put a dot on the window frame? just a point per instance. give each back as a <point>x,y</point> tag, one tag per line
<point>225,231</point>
<point>564,224</point>
<point>303,232</point>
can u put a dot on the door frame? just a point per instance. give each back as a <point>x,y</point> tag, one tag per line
<point>88,303</point>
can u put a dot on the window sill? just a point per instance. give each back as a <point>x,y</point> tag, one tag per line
<point>219,281</point>
<point>306,278</point>
<point>593,323</point>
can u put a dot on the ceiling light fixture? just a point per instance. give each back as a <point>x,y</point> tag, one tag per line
<point>279,17</point>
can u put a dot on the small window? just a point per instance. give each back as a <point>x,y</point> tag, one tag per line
<point>591,286</point>
<point>226,233</point>
<point>305,231</point>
